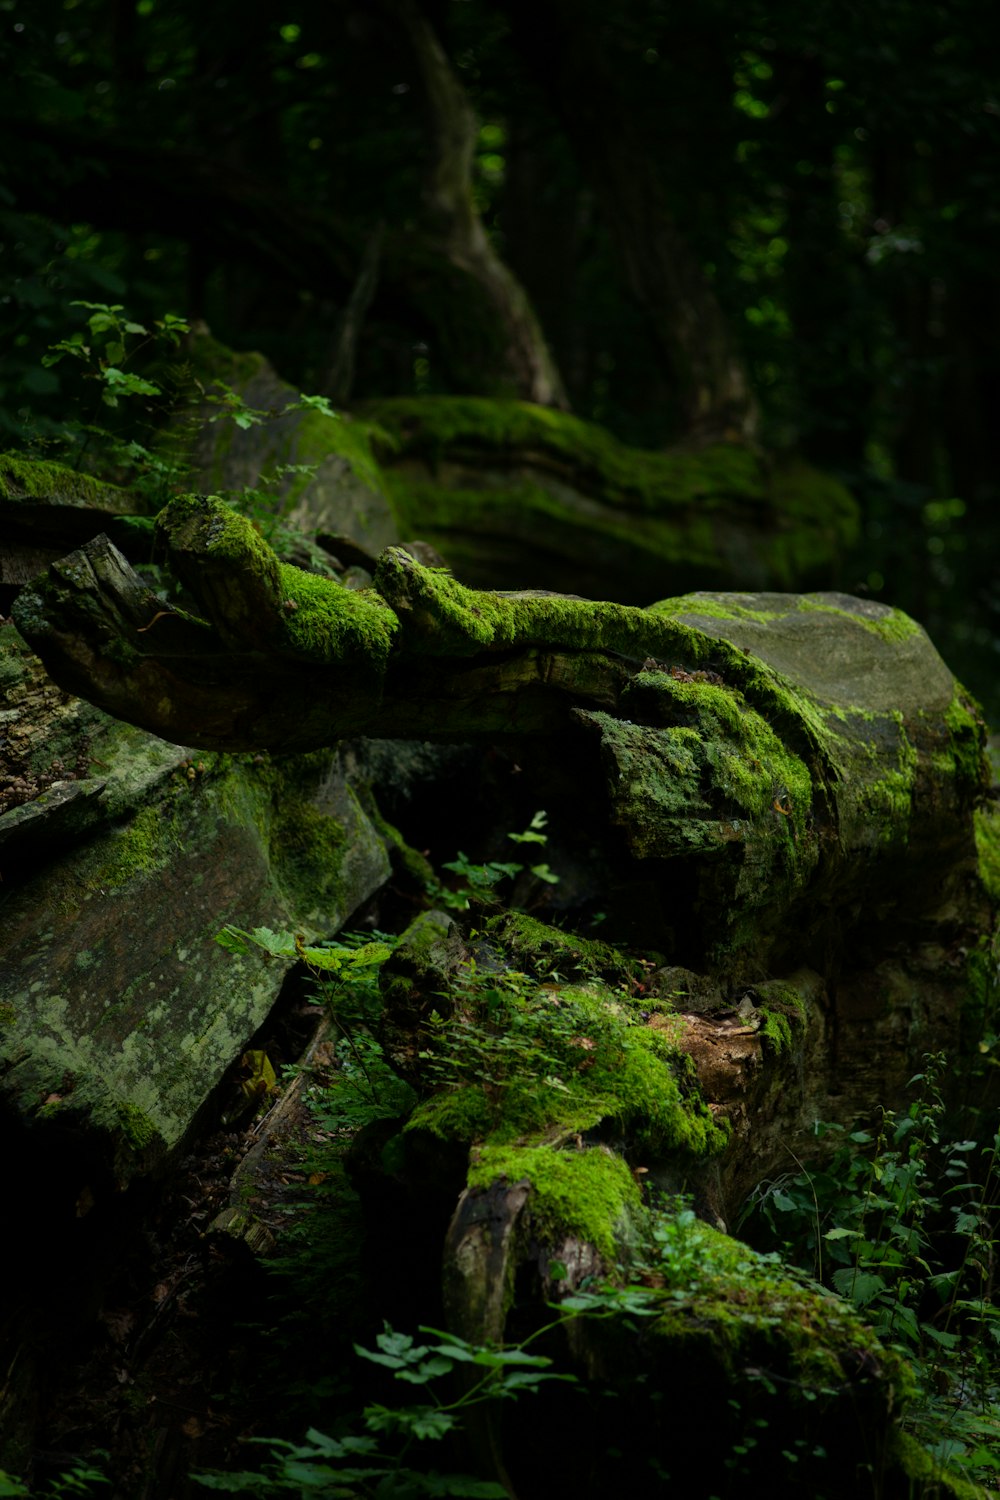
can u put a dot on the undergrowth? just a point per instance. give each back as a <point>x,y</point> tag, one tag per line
<point>902,1223</point>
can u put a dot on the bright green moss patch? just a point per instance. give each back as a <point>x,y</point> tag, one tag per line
<point>737,1300</point>
<point>32,480</point>
<point>136,1126</point>
<point>586,1194</point>
<point>144,845</point>
<point>986,822</point>
<point>330,621</point>
<point>783,1013</point>
<point>450,619</point>
<point>967,741</point>
<point>515,1062</point>
<point>544,950</point>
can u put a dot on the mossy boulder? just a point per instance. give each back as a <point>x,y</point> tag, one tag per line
<point>120,1014</point>
<point>522,496</point>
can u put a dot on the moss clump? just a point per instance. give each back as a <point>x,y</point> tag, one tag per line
<point>142,847</point>
<point>457,519</point>
<point>329,622</point>
<point>588,1194</point>
<point>532,945</point>
<point>25,480</point>
<point>136,1126</point>
<point>736,1300</point>
<point>509,464</point>
<point>925,1474</point>
<point>967,742</point>
<point>303,613</point>
<point>783,1011</point>
<point>986,822</point>
<point>640,479</point>
<point>306,852</point>
<point>517,1062</point>
<point>450,619</point>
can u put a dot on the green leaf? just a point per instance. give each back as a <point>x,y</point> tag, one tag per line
<point>428,1369</point>
<point>859,1287</point>
<point>463,1486</point>
<point>242,1483</point>
<point>314,403</point>
<point>276,944</point>
<point>419,1421</point>
<point>129,385</point>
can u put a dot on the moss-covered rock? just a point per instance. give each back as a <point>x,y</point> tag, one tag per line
<point>523,496</point>
<point>121,1012</point>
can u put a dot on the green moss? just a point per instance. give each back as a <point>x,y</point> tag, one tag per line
<point>221,532</point>
<point>520,1064</point>
<point>784,1013</point>
<point>136,1126</point>
<point>525,942</point>
<point>31,480</point>
<point>457,519</point>
<point>641,479</point>
<point>588,1194</point>
<point>986,822</point>
<point>737,1300</point>
<point>450,619</point>
<point>967,741</point>
<point>331,622</point>
<point>892,625</point>
<point>699,491</point>
<point>211,360</point>
<point>350,438</point>
<point>306,852</point>
<point>982,992</point>
<point>147,843</point>
<point>927,1475</point>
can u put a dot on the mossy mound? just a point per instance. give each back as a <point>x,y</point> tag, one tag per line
<point>522,496</point>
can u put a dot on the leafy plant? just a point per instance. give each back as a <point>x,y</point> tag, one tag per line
<point>380,1462</point>
<point>345,975</point>
<point>898,1225</point>
<point>76,1481</point>
<point>479,880</point>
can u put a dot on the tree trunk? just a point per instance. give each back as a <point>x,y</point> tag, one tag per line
<point>662,272</point>
<point>454,226</point>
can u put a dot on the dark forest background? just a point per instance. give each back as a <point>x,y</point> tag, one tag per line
<point>771,223</point>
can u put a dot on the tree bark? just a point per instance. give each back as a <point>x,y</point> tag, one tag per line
<point>454,225</point>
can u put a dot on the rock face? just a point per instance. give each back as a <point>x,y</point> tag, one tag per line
<point>120,1014</point>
